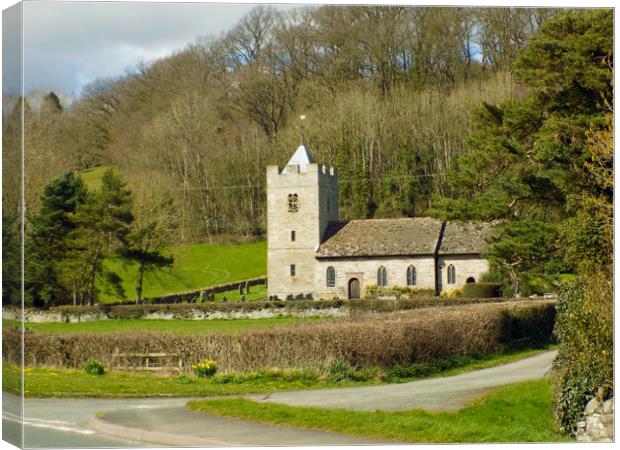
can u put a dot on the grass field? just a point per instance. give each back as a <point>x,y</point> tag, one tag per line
<point>229,326</point>
<point>196,266</point>
<point>513,413</point>
<point>47,382</point>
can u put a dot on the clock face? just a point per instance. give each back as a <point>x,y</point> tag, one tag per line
<point>293,203</point>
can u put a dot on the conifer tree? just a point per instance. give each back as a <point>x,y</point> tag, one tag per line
<point>103,224</point>
<point>48,240</point>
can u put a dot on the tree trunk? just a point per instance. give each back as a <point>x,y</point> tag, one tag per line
<point>139,286</point>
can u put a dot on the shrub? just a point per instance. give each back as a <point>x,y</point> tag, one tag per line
<point>339,370</point>
<point>480,290</point>
<point>370,340</point>
<point>94,367</point>
<point>584,327</point>
<point>205,369</point>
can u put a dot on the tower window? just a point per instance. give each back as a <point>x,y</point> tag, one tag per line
<point>293,236</point>
<point>292,270</point>
<point>331,276</point>
<point>293,204</point>
<point>451,274</point>
<point>381,276</point>
<point>411,276</point>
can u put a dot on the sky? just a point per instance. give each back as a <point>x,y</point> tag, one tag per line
<point>70,44</point>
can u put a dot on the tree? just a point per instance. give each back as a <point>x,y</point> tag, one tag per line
<point>144,245</point>
<point>525,252</point>
<point>103,223</point>
<point>48,240</point>
<point>543,163</point>
<point>11,261</point>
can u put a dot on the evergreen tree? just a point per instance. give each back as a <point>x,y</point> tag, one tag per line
<point>47,244</point>
<point>11,261</point>
<point>544,163</point>
<point>143,247</point>
<point>103,223</point>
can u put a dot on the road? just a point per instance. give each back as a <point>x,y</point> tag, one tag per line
<point>435,394</point>
<point>71,423</point>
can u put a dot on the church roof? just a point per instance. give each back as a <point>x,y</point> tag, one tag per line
<point>381,237</point>
<point>402,237</point>
<point>301,158</point>
<point>465,237</point>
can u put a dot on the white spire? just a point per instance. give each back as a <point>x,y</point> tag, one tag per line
<point>301,157</point>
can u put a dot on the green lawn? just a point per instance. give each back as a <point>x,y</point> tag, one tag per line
<point>513,413</point>
<point>162,325</point>
<point>196,266</point>
<point>47,382</point>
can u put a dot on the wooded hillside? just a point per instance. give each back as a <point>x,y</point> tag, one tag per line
<point>387,91</point>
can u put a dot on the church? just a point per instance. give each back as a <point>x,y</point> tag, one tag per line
<point>310,252</point>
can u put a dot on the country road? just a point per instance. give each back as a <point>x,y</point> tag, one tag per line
<point>435,394</point>
<point>79,423</point>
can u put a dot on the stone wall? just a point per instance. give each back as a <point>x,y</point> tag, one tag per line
<point>597,424</point>
<point>365,270</point>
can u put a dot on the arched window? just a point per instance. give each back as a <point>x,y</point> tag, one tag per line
<point>411,276</point>
<point>331,276</point>
<point>451,274</point>
<point>381,276</point>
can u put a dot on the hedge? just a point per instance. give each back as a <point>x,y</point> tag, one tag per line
<point>368,340</point>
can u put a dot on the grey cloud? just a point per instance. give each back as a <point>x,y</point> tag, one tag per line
<point>69,44</point>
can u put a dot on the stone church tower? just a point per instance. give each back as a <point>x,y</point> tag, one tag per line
<point>302,199</point>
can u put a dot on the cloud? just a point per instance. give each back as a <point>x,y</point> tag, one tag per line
<point>70,44</point>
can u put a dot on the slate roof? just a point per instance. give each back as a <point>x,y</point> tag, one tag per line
<point>380,237</point>
<point>465,237</point>
<point>401,237</point>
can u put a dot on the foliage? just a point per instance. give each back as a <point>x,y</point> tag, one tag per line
<point>387,92</point>
<point>545,165</point>
<point>11,261</point>
<point>49,241</point>
<point>363,341</point>
<point>94,367</point>
<point>205,369</point>
<point>46,382</point>
<point>585,362</point>
<point>526,253</point>
<point>514,413</point>
<point>480,290</point>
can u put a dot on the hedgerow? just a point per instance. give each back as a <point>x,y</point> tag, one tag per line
<point>365,341</point>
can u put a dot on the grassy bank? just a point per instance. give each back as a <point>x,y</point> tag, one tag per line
<point>195,266</point>
<point>514,413</point>
<point>45,382</point>
<point>186,327</point>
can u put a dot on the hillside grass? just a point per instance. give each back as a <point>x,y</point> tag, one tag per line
<point>228,326</point>
<point>196,266</point>
<point>514,413</point>
<point>51,382</point>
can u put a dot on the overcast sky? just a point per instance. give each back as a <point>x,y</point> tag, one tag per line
<point>68,45</point>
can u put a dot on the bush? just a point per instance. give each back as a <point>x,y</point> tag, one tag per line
<point>94,367</point>
<point>339,370</point>
<point>370,340</point>
<point>205,369</point>
<point>584,366</point>
<point>480,290</point>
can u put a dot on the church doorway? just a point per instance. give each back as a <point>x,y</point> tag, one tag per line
<point>354,288</point>
<point>470,280</point>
